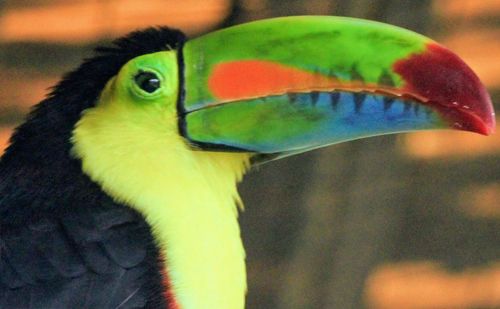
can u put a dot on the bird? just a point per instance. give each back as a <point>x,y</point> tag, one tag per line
<point>120,188</point>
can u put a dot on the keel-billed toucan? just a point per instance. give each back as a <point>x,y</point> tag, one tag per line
<point>119,190</point>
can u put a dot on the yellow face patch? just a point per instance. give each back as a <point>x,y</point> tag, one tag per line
<point>129,144</point>
<point>150,80</point>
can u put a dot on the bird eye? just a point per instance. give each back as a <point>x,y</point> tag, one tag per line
<point>147,81</point>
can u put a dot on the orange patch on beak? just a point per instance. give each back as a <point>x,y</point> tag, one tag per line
<point>252,78</point>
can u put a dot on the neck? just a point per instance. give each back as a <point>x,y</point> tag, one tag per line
<point>188,198</point>
<point>200,236</point>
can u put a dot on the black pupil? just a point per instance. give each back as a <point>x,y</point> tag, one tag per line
<point>147,81</point>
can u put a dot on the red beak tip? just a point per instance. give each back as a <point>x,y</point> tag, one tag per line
<point>447,82</point>
<point>489,125</point>
<point>492,125</point>
<point>484,127</point>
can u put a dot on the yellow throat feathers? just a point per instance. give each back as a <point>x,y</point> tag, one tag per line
<point>188,197</point>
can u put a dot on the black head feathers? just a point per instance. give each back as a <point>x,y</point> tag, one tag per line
<point>95,72</point>
<point>55,117</point>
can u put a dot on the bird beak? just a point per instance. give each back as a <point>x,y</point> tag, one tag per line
<point>287,85</point>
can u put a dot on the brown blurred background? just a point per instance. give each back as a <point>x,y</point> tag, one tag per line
<point>409,221</point>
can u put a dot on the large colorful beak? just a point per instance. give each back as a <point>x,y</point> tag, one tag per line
<point>287,85</point>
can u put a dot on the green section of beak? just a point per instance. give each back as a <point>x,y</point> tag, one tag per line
<point>340,48</point>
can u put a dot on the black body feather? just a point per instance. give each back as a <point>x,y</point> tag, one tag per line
<point>63,242</point>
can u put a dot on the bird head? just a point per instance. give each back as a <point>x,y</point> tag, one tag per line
<point>288,85</point>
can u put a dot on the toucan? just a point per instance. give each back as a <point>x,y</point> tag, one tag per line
<point>120,188</point>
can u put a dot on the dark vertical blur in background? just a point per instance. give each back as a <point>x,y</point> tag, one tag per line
<point>409,221</point>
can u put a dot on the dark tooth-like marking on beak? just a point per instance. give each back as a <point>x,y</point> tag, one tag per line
<point>388,101</point>
<point>332,74</point>
<point>334,100</point>
<point>358,98</point>
<point>428,113</point>
<point>386,79</point>
<point>292,97</point>
<point>416,109</point>
<point>356,76</point>
<point>314,97</point>
<point>407,106</point>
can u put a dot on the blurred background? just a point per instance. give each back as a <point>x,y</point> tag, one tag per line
<point>408,221</point>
